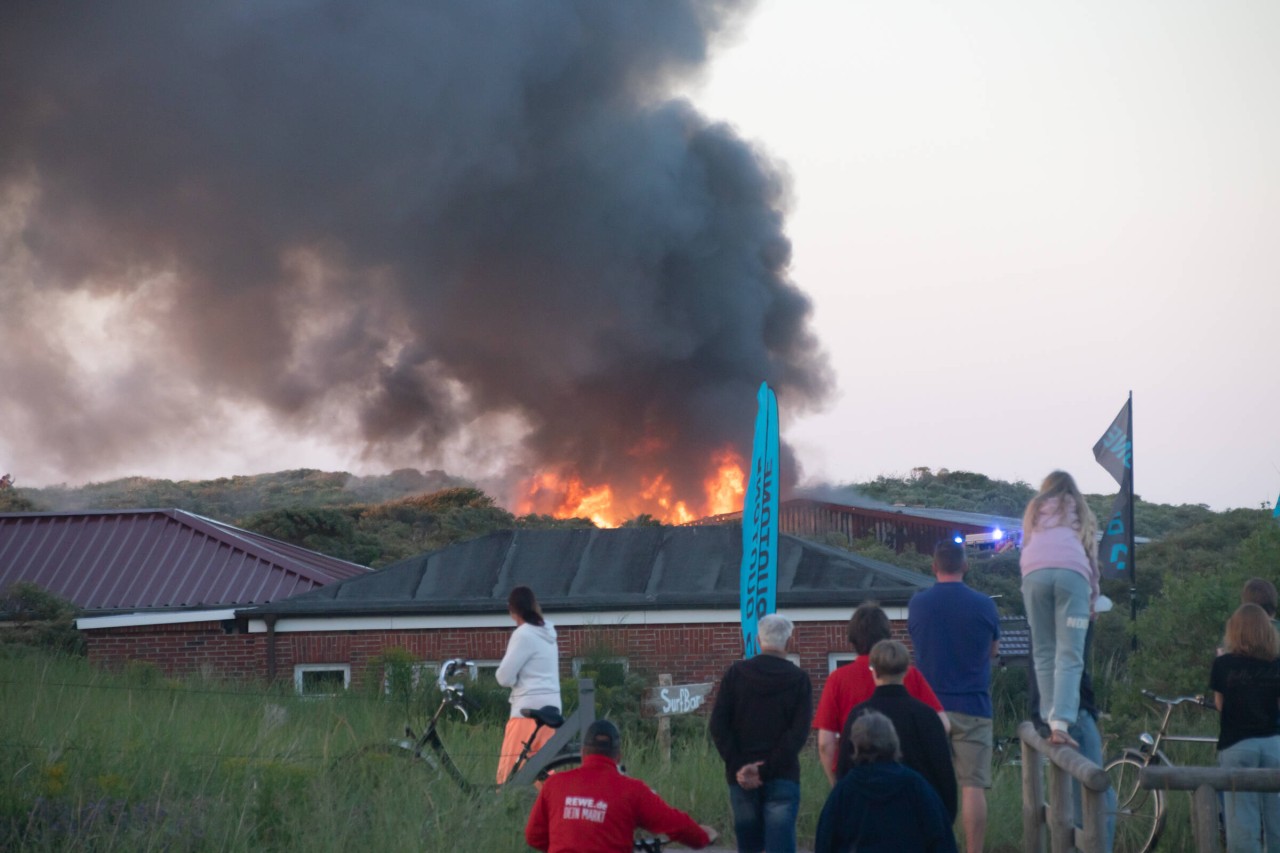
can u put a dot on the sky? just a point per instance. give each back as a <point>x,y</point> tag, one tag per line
<point>1005,215</point>
<point>1010,215</point>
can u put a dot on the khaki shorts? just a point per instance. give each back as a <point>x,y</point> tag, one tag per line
<point>971,746</point>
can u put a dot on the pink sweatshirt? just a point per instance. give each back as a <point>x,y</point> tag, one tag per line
<point>1053,542</point>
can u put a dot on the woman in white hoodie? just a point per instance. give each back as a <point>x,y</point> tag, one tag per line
<point>531,668</point>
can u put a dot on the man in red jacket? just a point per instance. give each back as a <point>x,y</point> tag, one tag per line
<point>595,809</point>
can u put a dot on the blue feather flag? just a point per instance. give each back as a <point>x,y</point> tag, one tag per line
<point>759,576</point>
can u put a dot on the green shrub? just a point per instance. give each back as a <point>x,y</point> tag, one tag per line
<point>39,618</point>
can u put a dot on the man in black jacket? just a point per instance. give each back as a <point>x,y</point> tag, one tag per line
<point>759,723</point>
<point>925,746</point>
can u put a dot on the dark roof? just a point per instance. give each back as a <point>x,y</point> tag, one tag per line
<point>128,560</point>
<point>589,569</point>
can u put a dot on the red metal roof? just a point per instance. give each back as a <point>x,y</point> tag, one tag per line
<point>113,561</point>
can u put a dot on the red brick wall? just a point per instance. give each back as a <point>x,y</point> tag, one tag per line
<point>689,653</point>
<point>183,649</point>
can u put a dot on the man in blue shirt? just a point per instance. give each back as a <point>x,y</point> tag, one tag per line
<point>956,633</point>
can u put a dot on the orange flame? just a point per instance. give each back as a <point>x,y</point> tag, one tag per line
<point>726,489</point>
<point>562,493</point>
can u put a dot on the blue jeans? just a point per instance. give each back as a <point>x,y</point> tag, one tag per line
<point>764,819</point>
<point>1086,733</point>
<point>1057,602</point>
<point>1248,814</point>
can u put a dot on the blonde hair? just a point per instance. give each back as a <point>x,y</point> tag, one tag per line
<point>1251,634</point>
<point>1061,486</point>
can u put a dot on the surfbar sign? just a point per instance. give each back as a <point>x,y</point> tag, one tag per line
<point>674,699</point>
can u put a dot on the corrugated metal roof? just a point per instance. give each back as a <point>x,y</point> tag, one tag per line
<point>968,522</point>
<point>588,569</point>
<point>112,561</point>
<point>952,516</point>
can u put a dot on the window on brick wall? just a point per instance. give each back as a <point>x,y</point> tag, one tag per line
<point>838,659</point>
<point>604,671</point>
<point>795,659</point>
<point>419,675</point>
<point>321,679</point>
<point>424,673</point>
<point>485,670</point>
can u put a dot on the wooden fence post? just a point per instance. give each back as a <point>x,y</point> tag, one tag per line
<point>1204,810</point>
<point>664,728</point>
<point>1032,792</point>
<point>1094,812</point>
<point>1061,825</point>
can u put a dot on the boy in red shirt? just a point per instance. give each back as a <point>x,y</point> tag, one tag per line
<point>853,684</point>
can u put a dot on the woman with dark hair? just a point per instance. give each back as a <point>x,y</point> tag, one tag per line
<point>531,668</point>
<point>1246,689</point>
<point>880,806</point>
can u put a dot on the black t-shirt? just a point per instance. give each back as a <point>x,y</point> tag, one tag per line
<point>1250,691</point>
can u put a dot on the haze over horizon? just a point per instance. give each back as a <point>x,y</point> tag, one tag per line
<point>952,236</point>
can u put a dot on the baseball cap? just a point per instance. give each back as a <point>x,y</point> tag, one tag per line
<point>602,737</point>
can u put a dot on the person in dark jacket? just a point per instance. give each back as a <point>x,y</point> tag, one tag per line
<point>881,806</point>
<point>925,746</point>
<point>759,723</point>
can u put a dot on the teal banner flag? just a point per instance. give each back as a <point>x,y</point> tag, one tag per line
<point>1114,451</point>
<point>759,579</point>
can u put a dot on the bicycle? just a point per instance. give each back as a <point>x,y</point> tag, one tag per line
<point>429,748</point>
<point>1140,813</point>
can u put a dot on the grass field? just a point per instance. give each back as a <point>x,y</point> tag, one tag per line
<point>133,761</point>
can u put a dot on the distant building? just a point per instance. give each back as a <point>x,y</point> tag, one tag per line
<point>160,585</point>
<point>896,527</point>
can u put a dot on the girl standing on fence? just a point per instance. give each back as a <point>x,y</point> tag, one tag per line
<point>531,668</point>
<point>1246,689</point>
<point>1059,588</point>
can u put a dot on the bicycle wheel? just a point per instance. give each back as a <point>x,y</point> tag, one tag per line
<point>564,762</point>
<point>1139,812</point>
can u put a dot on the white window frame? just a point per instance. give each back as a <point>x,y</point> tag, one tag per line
<point>839,659</point>
<point>301,668</point>
<point>578,662</point>
<point>430,669</point>
<point>419,670</point>
<point>489,665</point>
<point>795,659</point>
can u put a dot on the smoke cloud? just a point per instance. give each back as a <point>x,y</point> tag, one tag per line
<point>482,225</point>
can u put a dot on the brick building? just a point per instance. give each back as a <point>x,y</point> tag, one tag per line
<point>899,527</point>
<point>161,585</point>
<point>658,599</point>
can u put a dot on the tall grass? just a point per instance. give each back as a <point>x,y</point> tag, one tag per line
<point>133,761</point>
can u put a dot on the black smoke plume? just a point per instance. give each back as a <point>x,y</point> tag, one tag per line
<point>412,225</point>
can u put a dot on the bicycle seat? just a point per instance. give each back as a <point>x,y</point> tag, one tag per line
<point>548,715</point>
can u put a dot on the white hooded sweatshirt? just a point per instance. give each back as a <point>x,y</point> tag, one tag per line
<point>531,668</point>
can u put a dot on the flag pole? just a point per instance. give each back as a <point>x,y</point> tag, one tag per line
<point>1133,543</point>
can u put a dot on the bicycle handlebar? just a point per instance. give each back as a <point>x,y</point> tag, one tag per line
<point>1177,700</point>
<point>448,670</point>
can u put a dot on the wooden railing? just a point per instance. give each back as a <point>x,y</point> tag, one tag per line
<point>1065,765</point>
<point>1206,782</point>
